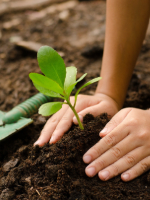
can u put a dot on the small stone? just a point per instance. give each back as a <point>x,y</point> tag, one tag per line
<point>76,183</point>
<point>31,188</point>
<point>64,15</point>
<point>22,149</point>
<point>28,180</point>
<point>11,164</point>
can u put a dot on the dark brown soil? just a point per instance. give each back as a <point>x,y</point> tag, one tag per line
<point>57,171</point>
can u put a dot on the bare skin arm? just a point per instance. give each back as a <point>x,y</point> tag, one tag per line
<point>126,24</point>
<point>126,138</point>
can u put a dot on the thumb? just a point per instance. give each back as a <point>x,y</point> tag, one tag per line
<point>115,121</point>
<point>95,110</point>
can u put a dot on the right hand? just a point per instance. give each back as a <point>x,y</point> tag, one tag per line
<point>60,122</point>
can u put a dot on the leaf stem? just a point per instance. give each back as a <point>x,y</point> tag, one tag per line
<point>76,114</point>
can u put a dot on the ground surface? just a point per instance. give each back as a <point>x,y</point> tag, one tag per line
<point>57,171</point>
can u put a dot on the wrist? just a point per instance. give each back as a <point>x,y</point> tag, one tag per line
<point>108,98</point>
<point>112,92</point>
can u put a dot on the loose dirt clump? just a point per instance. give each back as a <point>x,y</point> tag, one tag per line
<point>57,171</point>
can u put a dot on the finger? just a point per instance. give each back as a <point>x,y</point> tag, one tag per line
<point>115,121</point>
<point>66,121</point>
<point>128,161</point>
<point>137,170</point>
<point>50,126</point>
<point>112,155</point>
<point>90,106</point>
<point>110,140</point>
<point>101,107</point>
<point>95,110</point>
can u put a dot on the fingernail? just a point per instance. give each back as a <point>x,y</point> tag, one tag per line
<point>75,119</point>
<point>36,143</point>
<point>105,175</point>
<point>91,171</point>
<point>125,176</point>
<point>103,130</point>
<point>53,139</point>
<point>87,158</point>
<point>81,118</point>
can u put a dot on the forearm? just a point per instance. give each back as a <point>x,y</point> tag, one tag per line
<point>126,24</point>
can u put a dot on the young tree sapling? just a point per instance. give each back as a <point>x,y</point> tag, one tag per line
<point>58,81</point>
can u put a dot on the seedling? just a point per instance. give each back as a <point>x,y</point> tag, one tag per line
<point>58,81</point>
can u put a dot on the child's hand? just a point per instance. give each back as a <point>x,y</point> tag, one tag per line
<point>60,122</point>
<point>125,147</point>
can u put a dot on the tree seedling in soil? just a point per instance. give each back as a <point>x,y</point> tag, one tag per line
<point>58,81</point>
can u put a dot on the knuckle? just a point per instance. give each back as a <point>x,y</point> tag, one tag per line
<point>96,151</point>
<point>144,166</point>
<point>143,135</point>
<point>54,120</point>
<point>43,132</point>
<point>133,122</point>
<point>65,118</point>
<point>89,103</point>
<point>100,164</point>
<point>109,140</point>
<point>113,123</point>
<point>116,152</point>
<point>64,106</point>
<point>130,159</point>
<point>80,96</point>
<point>115,170</point>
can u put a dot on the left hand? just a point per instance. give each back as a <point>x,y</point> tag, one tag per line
<point>124,148</point>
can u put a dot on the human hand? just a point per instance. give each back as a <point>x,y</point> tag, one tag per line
<point>124,148</point>
<point>60,122</point>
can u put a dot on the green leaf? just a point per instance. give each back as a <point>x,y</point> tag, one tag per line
<point>70,88</point>
<point>52,65</point>
<point>70,80</point>
<point>50,108</point>
<point>47,92</point>
<point>86,84</point>
<point>82,77</point>
<point>45,82</point>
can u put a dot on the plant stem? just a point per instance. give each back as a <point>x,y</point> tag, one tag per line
<point>76,114</point>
